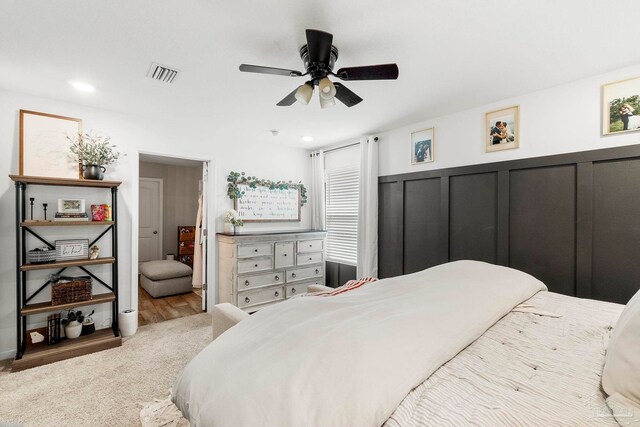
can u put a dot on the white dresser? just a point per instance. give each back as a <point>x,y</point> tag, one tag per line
<point>259,269</point>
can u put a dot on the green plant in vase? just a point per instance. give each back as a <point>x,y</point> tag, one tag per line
<point>95,152</point>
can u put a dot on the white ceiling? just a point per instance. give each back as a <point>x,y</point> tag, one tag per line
<point>452,55</point>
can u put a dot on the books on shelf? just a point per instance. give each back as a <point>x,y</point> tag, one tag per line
<point>82,216</point>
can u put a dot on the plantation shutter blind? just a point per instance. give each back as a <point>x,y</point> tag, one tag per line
<point>342,214</point>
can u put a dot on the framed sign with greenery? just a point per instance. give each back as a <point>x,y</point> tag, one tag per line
<point>261,200</point>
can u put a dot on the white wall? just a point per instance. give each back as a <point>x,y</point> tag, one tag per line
<point>131,134</point>
<point>562,119</point>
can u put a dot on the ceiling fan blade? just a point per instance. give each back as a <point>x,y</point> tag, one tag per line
<point>345,96</point>
<point>288,100</point>
<point>319,46</point>
<point>369,72</point>
<point>269,70</point>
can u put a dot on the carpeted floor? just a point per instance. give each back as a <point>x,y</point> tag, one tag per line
<point>105,388</point>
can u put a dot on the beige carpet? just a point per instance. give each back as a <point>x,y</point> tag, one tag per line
<point>105,388</point>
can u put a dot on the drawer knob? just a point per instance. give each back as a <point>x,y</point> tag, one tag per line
<point>277,277</point>
<point>317,271</point>
<point>277,293</point>
<point>293,290</point>
<point>285,255</point>
<point>310,246</point>
<point>293,275</point>
<point>255,250</point>
<point>256,265</point>
<point>310,259</point>
<point>246,283</point>
<point>247,300</point>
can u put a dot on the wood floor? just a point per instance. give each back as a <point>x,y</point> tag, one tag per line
<point>154,310</point>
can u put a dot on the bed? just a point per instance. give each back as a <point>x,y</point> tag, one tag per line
<point>465,343</point>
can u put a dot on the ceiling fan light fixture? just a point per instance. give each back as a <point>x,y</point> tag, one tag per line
<point>304,93</point>
<point>327,89</point>
<point>326,102</point>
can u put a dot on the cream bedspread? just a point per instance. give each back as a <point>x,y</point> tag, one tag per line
<point>526,370</point>
<point>347,360</point>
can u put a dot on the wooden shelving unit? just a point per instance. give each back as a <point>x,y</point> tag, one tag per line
<point>42,354</point>
<point>47,307</point>
<point>65,264</point>
<point>28,357</point>
<point>63,223</point>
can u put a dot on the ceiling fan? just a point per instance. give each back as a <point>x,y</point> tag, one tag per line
<point>319,56</point>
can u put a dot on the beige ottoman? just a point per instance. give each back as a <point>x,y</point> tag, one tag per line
<point>164,278</point>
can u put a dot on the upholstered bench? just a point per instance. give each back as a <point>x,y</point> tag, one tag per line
<point>164,278</point>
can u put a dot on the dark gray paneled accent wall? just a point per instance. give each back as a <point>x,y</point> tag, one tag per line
<point>571,220</point>
<point>473,209</point>
<point>339,274</point>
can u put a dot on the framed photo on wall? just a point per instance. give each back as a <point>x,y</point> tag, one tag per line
<point>621,106</point>
<point>502,129</point>
<point>422,146</point>
<point>44,148</point>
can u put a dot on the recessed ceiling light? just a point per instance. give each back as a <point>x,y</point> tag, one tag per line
<point>307,138</point>
<point>82,87</point>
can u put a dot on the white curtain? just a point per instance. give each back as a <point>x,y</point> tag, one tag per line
<point>368,209</point>
<point>317,191</point>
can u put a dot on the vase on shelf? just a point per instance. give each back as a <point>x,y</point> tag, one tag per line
<point>92,171</point>
<point>229,228</point>
<point>73,329</point>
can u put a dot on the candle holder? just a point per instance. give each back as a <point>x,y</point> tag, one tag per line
<point>31,200</point>
<point>44,206</point>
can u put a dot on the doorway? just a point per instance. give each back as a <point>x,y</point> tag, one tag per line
<point>171,247</point>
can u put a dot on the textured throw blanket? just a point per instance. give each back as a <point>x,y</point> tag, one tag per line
<point>348,360</point>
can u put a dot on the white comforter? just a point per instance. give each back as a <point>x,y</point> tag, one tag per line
<point>347,360</point>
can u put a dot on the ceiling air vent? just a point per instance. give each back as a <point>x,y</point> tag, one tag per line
<point>162,73</point>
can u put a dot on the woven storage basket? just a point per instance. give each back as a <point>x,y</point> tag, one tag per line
<point>41,255</point>
<point>71,289</point>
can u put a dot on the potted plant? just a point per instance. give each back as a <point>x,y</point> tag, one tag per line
<point>73,324</point>
<point>94,152</point>
<point>231,221</point>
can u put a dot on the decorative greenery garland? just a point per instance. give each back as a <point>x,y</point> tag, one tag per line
<point>239,178</point>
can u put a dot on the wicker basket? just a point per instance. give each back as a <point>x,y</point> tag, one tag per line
<point>41,255</point>
<point>67,290</point>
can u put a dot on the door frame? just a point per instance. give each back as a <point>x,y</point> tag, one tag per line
<point>161,226</point>
<point>212,287</point>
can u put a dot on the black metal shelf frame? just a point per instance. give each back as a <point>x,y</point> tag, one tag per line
<point>21,256</point>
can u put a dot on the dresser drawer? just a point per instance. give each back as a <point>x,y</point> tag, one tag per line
<point>297,289</point>
<point>246,299</point>
<point>304,273</point>
<point>310,246</point>
<point>258,249</point>
<point>248,282</point>
<point>310,258</point>
<point>284,254</point>
<point>254,265</point>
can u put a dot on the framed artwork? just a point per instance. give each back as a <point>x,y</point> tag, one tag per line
<point>70,205</point>
<point>502,129</point>
<point>422,146</point>
<point>621,106</point>
<point>44,148</point>
<point>72,249</point>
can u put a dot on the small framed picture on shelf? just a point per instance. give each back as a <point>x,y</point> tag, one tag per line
<point>71,206</point>
<point>67,250</point>
<point>422,146</point>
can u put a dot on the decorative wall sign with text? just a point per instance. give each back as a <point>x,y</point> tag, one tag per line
<point>264,200</point>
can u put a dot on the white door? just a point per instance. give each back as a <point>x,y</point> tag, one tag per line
<point>205,232</point>
<point>150,220</point>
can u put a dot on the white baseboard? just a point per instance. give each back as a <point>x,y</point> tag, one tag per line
<point>7,354</point>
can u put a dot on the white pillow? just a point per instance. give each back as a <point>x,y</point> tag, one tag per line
<point>621,373</point>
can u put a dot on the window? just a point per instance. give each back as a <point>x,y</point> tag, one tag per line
<point>342,214</point>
